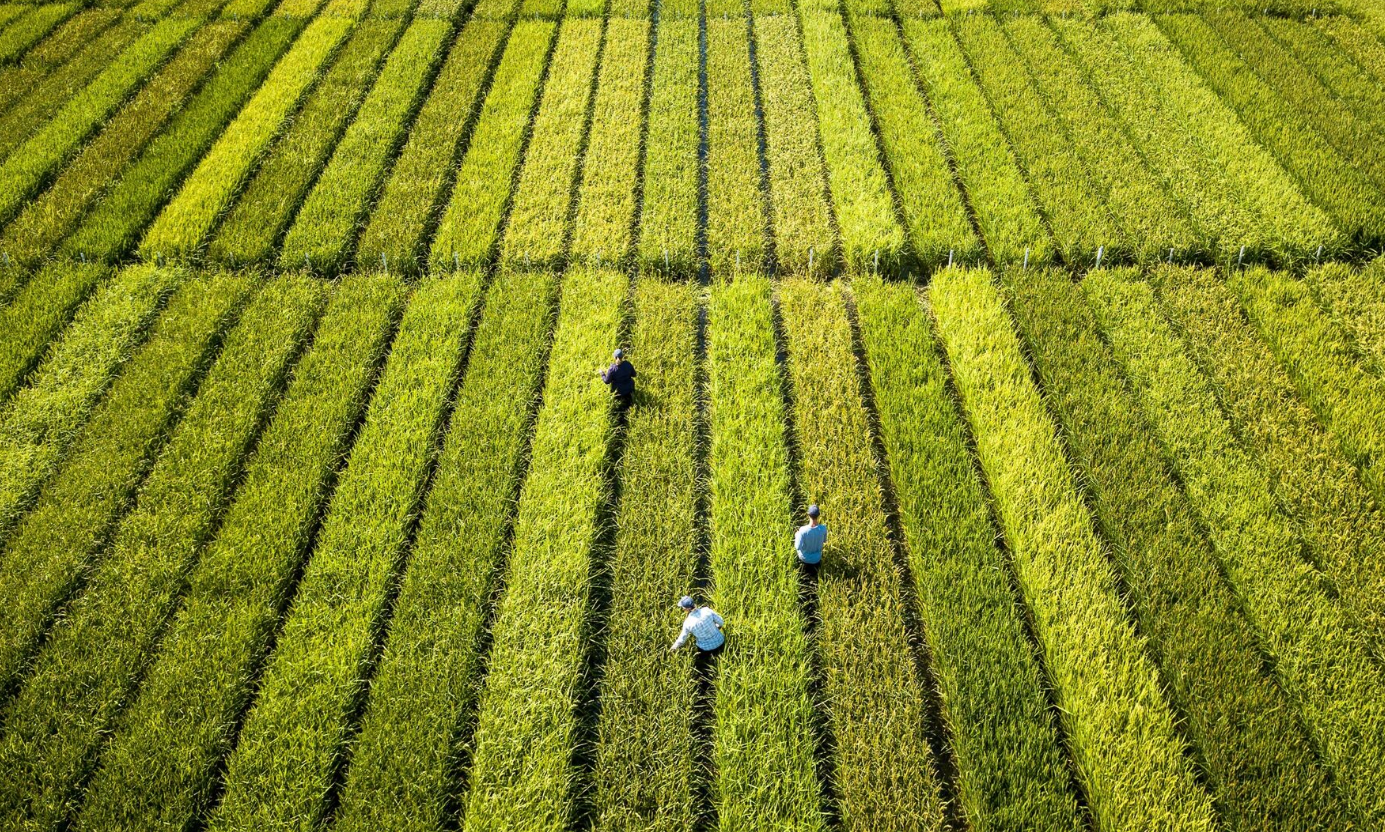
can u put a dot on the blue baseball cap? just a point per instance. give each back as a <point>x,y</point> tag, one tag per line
<point>686,602</point>
<point>620,353</point>
<point>813,510</point>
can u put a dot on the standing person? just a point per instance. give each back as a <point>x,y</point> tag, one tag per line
<point>620,376</point>
<point>703,625</point>
<point>809,540</point>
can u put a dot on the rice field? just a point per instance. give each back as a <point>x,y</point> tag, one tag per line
<point>315,513</point>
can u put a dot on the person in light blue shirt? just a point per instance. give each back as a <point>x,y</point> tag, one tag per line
<point>703,625</point>
<point>809,540</point>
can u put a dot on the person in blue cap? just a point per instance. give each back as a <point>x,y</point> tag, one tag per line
<point>809,540</point>
<point>620,376</point>
<point>703,625</point>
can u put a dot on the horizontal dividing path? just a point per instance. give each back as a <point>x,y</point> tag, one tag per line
<point>1121,732</point>
<point>403,764</point>
<point>669,207</point>
<point>290,749</point>
<point>1356,300</point>
<point>874,700</point>
<point>49,551</point>
<point>54,727</point>
<point>1009,765</point>
<point>44,221</point>
<point>765,737</point>
<point>1314,482</point>
<point>646,769</point>
<point>159,768</point>
<point>39,423</point>
<point>37,314</point>
<point>1258,761</point>
<point>1323,663</point>
<point>736,232</point>
<point>522,772</point>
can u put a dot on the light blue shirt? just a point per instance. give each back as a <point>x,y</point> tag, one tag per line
<point>809,540</point>
<point>704,626</point>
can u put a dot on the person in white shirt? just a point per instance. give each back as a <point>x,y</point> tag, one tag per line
<point>809,540</point>
<point>703,625</point>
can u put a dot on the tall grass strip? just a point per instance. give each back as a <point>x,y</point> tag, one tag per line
<point>605,220</point>
<point>1357,41</point>
<point>160,768</point>
<point>537,231</point>
<point>1291,227</point>
<point>466,234</point>
<point>764,737</point>
<point>29,29</point>
<point>801,216</point>
<point>522,773</point>
<point>10,12</point>
<point>1323,364</point>
<point>1337,70</point>
<point>44,221</point>
<point>54,727</point>
<point>1327,177</point>
<point>1120,731</point>
<point>865,212</point>
<point>41,309</point>
<point>1005,210</point>
<point>180,229</point>
<point>645,764</point>
<point>39,423</point>
<point>254,225</point>
<point>1258,761</point>
<point>1076,211</point>
<point>882,769</point>
<point>430,671</point>
<point>736,232</point>
<point>934,216</point>
<point>323,235</point>
<point>1009,766</point>
<point>287,752</point>
<point>1356,300</point>
<point>1153,220</point>
<point>113,226</point>
<point>410,199</point>
<point>669,212</point>
<point>29,165</point>
<point>1308,636</point>
<point>54,50</point>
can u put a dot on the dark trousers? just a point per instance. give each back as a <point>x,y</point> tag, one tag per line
<point>705,663</point>
<point>624,400</point>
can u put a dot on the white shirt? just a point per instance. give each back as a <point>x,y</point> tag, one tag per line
<point>704,626</point>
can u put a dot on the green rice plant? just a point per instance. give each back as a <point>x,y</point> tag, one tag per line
<point>645,766</point>
<point>763,738</point>
<point>1321,360</point>
<point>543,9</point>
<point>180,229</point>
<point>1153,219</point>
<point>668,216</point>
<point>324,232</point>
<point>1328,178</point>
<point>870,231</point>
<point>1120,731</point>
<point>40,310</point>
<point>11,11</point>
<point>1009,765</point>
<point>537,229</point>
<point>39,423</point>
<point>409,199</point>
<point>1334,67</point>
<point>1323,664</point>
<point>735,206</point>
<point>113,225</point>
<point>430,669</point>
<point>874,698</point>
<point>1314,482</point>
<point>1077,213</point>
<point>1356,300</point>
<point>1292,227</point>
<point>29,166</point>
<point>1357,41</point>
<point>1005,209</point>
<point>260,214</point>
<point>605,218</point>
<point>32,27</point>
<point>481,191</point>
<point>287,751</point>
<point>45,220</point>
<point>53,727</point>
<point>160,768</point>
<point>69,39</point>
<point>1258,762</point>
<point>801,217</point>
<point>628,9</point>
<point>934,215</point>
<point>522,768</point>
